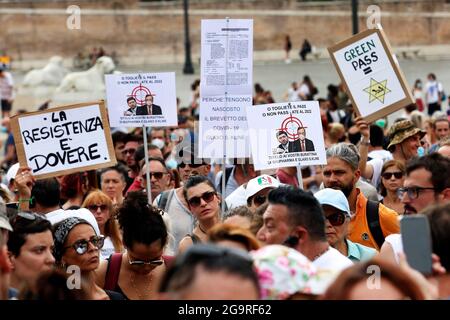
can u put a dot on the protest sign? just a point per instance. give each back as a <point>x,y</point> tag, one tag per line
<point>135,100</point>
<point>225,87</point>
<point>376,85</point>
<point>64,140</point>
<point>286,135</point>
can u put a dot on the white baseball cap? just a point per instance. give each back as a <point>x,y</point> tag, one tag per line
<point>12,171</point>
<point>334,198</point>
<point>259,183</point>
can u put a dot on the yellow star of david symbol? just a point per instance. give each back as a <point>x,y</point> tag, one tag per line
<point>377,90</point>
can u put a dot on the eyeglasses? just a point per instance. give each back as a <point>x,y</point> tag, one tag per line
<point>336,219</point>
<point>259,200</point>
<point>94,207</point>
<point>82,246</point>
<point>207,197</point>
<point>413,192</point>
<point>388,175</point>
<point>157,175</point>
<point>191,165</point>
<point>140,263</point>
<point>130,151</point>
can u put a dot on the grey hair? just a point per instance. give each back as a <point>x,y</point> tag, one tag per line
<point>346,152</point>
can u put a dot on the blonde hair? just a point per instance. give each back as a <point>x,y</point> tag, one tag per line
<point>111,226</point>
<point>224,231</point>
<point>334,129</point>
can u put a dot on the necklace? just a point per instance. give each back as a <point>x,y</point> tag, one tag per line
<point>200,227</point>
<point>147,287</point>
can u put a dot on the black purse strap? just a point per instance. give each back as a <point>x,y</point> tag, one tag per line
<point>373,220</point>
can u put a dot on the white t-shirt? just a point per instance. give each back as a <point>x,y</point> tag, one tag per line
<point>380,154</point>
<point>293,95</point>
<point>332,260</point>
<point>304,89</point>
<point>107,250</point>
<point>395,240</point>
<point>59,215</point>
<point>336,115</point>
<point>377,165</point>
<point>433,88</point>
<point>6,86</point>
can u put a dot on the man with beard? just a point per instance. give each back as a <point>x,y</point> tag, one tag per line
<point>285,145</point>
<point>371,221</point>
<point>427,182</point>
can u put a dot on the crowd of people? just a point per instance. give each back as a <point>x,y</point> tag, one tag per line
<point>94,235</point>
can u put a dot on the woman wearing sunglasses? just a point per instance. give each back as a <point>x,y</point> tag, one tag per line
<point>101,207</point>
<point>392,178</point>
<point>77,248</point>
<point>337,218</point>
<point>204,204</point>
<point>30,249</point>
<point>137,272</point>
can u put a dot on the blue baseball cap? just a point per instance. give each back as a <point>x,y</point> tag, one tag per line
<point>334,198</point>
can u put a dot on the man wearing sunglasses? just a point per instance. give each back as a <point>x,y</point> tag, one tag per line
<point>372,221</point>
<point>132,142</point>
<point>295,218</point>
<point>159,176</point>
<point>258,189</point>
<point>337,219</point>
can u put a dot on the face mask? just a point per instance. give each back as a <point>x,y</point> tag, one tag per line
<point>173,137</point>
<point>3,130</point>
<point>420,151</point>
<point>159,143</point>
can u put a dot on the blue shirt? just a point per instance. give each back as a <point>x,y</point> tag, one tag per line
<point>357,252</point>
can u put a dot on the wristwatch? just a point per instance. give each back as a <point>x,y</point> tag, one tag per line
<point>364,142</point>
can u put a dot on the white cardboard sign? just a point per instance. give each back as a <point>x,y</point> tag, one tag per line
<point>64,140</point>
<point>286,135</point>
<point>225,87</point>
<point>374,81</point>
<point>129,98</point>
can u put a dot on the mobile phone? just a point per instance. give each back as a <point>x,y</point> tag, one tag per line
<point>416,238</point>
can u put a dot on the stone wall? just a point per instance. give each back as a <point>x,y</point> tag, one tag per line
<point>151,32</point>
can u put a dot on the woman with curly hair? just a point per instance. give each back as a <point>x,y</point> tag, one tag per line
<point>137,272</point>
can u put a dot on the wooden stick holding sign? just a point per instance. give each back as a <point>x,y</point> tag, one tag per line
<point>64,140</point>
<point>374,81</point>
<point>147,166</point>
<point>300,177</point>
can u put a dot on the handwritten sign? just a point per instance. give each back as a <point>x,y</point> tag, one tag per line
<point>374,80</point>
<point>286,134</point>
<point>141,99</point>
<point>64,140</point>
